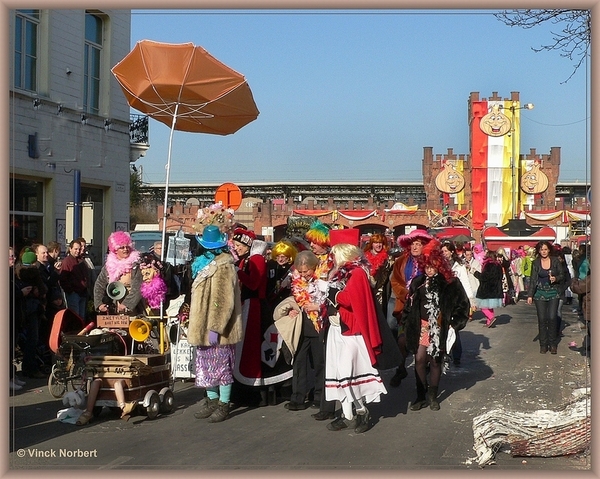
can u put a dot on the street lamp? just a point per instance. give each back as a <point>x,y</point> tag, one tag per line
<point>514,159</point>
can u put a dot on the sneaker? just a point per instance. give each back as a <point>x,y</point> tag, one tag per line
<point>14,387</point>
<point>18,382</point>
<point>207,408</point>
<point>220,413</point>
<point>341,423</point>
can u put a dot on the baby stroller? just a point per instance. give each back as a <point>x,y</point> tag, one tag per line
<point>72,349</point>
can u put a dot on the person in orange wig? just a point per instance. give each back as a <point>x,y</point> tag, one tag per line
<point>436,304</point>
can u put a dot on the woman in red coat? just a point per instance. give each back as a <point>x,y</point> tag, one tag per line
<point>354,340</point>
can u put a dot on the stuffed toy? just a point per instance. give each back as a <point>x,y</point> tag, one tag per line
<point>75,400</point>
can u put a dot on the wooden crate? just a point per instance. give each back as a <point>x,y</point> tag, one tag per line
<point>135,387</point>
<point>127,366</point>
<point>148,359</point>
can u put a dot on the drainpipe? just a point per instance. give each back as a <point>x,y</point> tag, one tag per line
<point>76,204</point>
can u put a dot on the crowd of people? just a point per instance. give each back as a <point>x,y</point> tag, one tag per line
<point>303,320</point>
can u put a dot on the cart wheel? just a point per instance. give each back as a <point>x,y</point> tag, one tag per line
<point>153,407</point>
<point>56,388</point>
<point>78,380</point>
<point>168,401</point>
<point>97,411</point>
<point>77,384</point>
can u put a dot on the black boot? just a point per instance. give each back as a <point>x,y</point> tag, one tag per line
<point>263,398</point>
<point>433,402</point>
<point>362,422</point>
<point>272,396</point>
<point>397,378</point>
<point>421,400</point>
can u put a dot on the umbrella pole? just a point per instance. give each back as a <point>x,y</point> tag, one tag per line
<point>164,229</point>
<point>168,168</point>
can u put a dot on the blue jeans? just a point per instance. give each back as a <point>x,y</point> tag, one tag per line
<point>77,303</point>
<point>547,313</point>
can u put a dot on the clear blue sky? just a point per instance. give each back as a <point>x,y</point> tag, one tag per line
<point>356,95</point>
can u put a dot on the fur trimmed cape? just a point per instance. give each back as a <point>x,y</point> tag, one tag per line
<point>216,303</point>
<point>454,309</point>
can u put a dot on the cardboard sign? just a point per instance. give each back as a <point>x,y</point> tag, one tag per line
<point>112,321</point>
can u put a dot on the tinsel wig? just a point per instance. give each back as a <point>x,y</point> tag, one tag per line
<point>318,233</point>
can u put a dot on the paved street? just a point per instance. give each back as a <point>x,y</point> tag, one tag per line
<point>501,367</point>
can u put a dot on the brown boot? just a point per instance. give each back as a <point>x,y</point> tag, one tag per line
<point>207,408</point>
<point>220,413</point>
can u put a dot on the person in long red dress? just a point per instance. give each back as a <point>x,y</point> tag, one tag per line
<point>252,275</point>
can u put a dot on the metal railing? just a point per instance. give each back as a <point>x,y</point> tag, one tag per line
<point>138,129</point>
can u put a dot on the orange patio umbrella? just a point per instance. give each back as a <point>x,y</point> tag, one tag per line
<point>187,89</point>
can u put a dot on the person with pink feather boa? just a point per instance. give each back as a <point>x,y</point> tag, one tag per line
<point>121,265</point>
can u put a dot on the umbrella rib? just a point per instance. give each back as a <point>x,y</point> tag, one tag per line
<point>153,87</point>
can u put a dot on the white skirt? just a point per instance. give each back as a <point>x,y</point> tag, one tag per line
<point>349,375</point>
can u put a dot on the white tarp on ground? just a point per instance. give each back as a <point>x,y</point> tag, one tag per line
<point>542,433</point>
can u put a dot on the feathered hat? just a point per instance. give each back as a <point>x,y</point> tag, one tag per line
<point>215,215</point>
<point>433,247</point>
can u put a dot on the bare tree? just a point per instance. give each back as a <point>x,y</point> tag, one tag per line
<point>573,41</point>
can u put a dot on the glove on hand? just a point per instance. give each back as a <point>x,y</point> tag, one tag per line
<point>213,338</point>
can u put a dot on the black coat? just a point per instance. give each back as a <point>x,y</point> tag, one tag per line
<point>454,307</point>
<point>490,281</point>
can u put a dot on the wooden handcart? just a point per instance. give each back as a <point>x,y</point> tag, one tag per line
<point>147,380</point>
